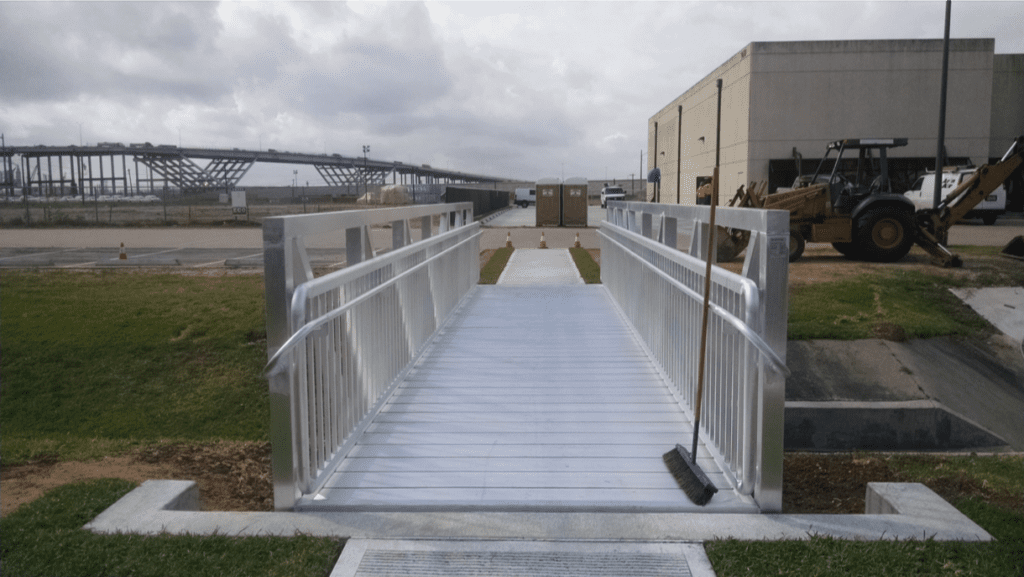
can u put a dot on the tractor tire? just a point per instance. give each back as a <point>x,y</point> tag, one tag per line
<point>796,245</point>
<point>884,234</point>
<point>847,249</point>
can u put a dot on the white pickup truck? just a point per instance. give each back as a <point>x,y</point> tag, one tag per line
<point>611,193</point>
<point>923,190</point>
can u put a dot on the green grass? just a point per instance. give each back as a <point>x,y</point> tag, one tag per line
<point>853,308</point>
<point>45,538</point>
<point>589,270</point>
<point>495,265</point>
<point>99,362</point>
<point>986,489</point>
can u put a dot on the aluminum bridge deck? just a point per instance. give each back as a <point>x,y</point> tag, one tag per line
<point>531,398</point>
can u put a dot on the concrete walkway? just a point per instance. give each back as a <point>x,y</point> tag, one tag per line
<point>540,267</point>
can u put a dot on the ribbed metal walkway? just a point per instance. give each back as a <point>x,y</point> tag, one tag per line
<point>531,398</point>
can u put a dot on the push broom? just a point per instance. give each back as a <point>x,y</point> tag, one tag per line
<point>683,464</point>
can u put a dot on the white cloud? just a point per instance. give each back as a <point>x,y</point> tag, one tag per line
<point>506,88</point>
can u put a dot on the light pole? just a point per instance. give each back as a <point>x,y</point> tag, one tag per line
<point>366,184</point>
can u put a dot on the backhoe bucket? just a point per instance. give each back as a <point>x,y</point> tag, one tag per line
<point>1014,248</point>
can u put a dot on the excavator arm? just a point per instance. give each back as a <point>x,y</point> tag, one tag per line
<point>934,224</point>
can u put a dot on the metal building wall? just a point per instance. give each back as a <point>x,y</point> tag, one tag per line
<point>778,96</point>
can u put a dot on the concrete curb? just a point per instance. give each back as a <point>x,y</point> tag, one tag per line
<point>919,425</point>
<point>893,511</point>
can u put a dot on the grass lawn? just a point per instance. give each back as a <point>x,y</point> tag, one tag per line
<point>495,265</point>
<point>986,489</point>
<point>98,362</point>
<point>589,270</point>
<point>917,302</point>
<point>45,538</point>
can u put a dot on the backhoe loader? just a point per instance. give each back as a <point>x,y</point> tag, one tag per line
<point>858,213</point>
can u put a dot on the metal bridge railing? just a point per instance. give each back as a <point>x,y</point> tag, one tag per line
<point>339,343</point>
<point>660,290</point>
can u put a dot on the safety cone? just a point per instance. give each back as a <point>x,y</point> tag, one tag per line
<point>577,243</point>
<point>123,255</point>
<point>508,240</point>
<point>542,243</point>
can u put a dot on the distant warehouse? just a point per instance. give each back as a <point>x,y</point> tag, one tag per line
<point>782,102</point>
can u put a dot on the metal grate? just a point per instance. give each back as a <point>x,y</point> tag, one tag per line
<point>506,564</point>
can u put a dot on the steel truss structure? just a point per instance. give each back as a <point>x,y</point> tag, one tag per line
<point>104,169</point>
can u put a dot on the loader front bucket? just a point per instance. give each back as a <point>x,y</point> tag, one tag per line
<point>1014,248</point>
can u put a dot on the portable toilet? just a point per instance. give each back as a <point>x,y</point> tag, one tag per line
<point>549,202</point>
<point>574,202</point>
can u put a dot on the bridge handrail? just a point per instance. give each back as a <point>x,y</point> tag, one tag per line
<point>336,344</point>
<point>749,291</point>
<point>323,284</point>
<point>742,413</point>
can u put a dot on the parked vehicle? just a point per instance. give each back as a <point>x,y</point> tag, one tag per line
<point>611,193</point>
<point>923,190</point>
<point>862,218</point>
<point>526,196</point>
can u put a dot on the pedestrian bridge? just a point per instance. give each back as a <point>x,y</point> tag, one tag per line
<point>400,384</point>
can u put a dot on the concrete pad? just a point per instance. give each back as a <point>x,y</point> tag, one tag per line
<point>897,511</point>
<point>972,378</point>
<point>863,370</point>
<point>548,267</point>
<point>981,383</point>
<point>1003,307</point>
<point>370,557</point>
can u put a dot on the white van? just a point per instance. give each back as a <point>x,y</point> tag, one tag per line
<point>526,196</point>
<point>923,191</point>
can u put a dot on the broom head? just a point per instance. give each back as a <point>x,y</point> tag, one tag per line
<point>691,479</point>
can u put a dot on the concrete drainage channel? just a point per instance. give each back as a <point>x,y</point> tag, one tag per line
<point>509,543</point>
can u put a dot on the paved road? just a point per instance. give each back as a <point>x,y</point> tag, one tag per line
<point>243,247</point>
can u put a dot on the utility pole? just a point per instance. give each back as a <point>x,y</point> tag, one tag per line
<point>366,183</point>
<point>642,173</point>
<point>6,170</point>
<point>940,147</point>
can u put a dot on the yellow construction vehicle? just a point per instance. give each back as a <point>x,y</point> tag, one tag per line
<point>858,213</point>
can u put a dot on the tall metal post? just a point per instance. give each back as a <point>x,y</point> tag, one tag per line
<point>679,155</point>
<point>366,183</point>
<point>942,112</point>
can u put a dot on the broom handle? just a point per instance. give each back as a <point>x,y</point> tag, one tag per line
<point>704,320</point>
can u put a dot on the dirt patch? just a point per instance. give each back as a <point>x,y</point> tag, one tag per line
<point>22,484</point>
<point>817,483</point>
<point>231,475</point>
<point>235,476</point>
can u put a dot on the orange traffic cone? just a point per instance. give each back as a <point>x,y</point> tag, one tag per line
<point>508,240</point>
<point>542,243</point>
<point>123,255</point>
<point>577,243</point>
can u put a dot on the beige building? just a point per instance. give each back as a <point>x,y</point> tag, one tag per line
<point>782,102</point>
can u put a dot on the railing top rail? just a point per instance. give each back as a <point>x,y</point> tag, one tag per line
<point>719,275</point>
<point>742,218</point>
<point>308,224</point>
<point>337,278</point>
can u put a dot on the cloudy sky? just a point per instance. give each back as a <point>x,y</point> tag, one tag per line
<point>510,89</point>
